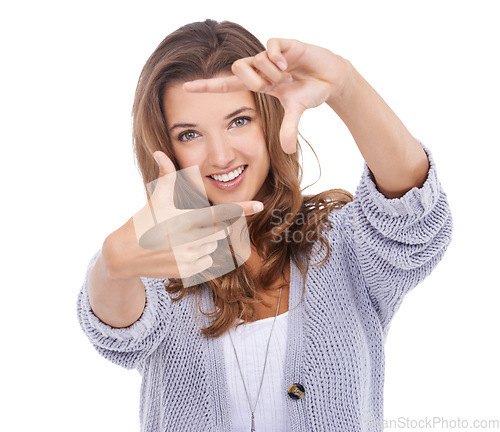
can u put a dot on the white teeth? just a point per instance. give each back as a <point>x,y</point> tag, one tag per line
<point>229,176</point>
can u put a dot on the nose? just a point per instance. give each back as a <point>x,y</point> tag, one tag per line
<point>221,153</point>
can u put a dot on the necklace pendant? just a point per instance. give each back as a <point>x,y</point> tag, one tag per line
<point>253,424</point>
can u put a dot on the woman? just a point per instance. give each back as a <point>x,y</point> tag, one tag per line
<point>292,339</point>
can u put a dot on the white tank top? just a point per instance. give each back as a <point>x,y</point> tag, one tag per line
<point>250,341</point>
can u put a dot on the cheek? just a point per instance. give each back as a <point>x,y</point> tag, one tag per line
<point>263,155</point>
<point>258,146</point>
<point>184,157</point>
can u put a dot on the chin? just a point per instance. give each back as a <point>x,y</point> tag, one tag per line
<point>229,199</point>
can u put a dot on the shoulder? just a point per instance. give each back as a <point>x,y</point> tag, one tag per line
<point>336,234</point>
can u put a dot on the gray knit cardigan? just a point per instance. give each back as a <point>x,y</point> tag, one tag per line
<point>380,249</point>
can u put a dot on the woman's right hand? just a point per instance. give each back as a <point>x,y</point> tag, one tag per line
<point>180,244</point>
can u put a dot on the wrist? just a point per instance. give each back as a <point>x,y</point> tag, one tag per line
<point>116,258</point>
<point>343,87</point>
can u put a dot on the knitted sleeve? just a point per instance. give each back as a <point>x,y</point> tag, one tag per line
<point>398,242</point>
<point>130,345</point>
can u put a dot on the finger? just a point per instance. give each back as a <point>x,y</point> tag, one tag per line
<point>158,237</point>
<point>199,236</point>
<point>269,69</point>
<point>289,128</point>
<point>194,225</point>
<point>161,194</point>
<point>219,215</point>
<point>189,253</point>
<point>204,249</point>
<point>227,211</point>
<point>213,216</point>
<point>251,207</point>
<point>191,268</point>
<point>275,49</point>
<point>161,190</point>
<point>201,264</point>
<point>159,207</point>
<point>207,224</point>
<point>244,70</point>
<point>224,84</point>
<point>165,164</point>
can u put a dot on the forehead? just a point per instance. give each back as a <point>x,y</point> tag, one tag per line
<point>182,106</point>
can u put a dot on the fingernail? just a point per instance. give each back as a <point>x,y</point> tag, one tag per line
<point>154,155</point>
<point>281,65</point>
<point>268,87</point>
<point>258,207</point>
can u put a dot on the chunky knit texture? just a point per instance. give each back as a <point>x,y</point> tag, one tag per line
<point>380,249</point>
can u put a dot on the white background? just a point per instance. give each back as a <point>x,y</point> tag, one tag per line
<point>68,77</point>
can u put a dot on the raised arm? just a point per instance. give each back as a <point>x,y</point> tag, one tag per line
<point>396,159</point>
<point>304,76</point>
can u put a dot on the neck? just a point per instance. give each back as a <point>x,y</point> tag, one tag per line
<point>268,296</point>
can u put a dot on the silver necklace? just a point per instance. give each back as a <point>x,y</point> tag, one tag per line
<point>265,361</point>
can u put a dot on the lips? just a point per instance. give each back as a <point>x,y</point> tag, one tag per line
<point>224,181</point>
<point>231,175</point>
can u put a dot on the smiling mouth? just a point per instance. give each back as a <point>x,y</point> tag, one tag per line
<point>224,178</point>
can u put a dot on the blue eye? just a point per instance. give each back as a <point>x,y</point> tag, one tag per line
<point>187,136</point>
<point>241,121</point>
<point>191,135</point>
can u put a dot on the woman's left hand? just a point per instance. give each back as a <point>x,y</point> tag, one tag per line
<point>300,75</point>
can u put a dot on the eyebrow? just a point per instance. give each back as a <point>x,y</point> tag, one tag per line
<point>230,115</point>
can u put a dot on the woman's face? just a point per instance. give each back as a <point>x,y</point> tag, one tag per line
<point>222,134</point>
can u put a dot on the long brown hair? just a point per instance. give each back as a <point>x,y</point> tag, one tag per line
<point>291,223</point>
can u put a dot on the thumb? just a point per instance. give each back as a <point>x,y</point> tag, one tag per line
<point>161,190</point>
<point>164,162</point>
<point>290,128</point>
